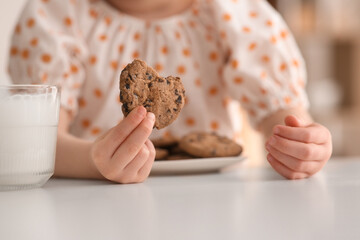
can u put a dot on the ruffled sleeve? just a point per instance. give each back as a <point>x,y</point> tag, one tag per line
<point>47,48</point>
<point>265,70</point>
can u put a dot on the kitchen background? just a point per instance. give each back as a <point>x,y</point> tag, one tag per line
<point>328,33</point>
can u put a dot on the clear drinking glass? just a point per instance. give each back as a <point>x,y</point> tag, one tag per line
<point>29,117</point>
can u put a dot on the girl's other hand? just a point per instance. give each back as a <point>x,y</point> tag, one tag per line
<point>298,150</point>
<point>125,154</point>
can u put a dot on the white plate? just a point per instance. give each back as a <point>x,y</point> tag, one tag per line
<point>198,165</point>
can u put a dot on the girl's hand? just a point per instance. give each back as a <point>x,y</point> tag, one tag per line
<point>125,154</point>
<point>297,150</point>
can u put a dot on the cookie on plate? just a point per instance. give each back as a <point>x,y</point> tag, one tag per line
<point>165,141</point>
<point>140,85</point>
<point>161,153</point>
<point>207,145</point>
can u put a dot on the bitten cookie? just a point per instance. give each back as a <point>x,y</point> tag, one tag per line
<point>208,145</point>
<point>140,85</point>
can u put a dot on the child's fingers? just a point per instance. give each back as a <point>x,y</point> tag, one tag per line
<point>132,144</point>
<point>285,171</point>
<point>139,160</point>
<point>144,171</point>
<point>299,150</point>
<point>294,164</point>
<point>311,134</point>
<point>121,131</point>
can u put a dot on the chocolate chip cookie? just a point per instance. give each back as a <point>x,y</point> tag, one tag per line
<point>140,85</point>
<point>161,153</point>
<point>207,145</point>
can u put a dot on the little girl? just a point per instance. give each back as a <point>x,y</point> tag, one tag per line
<point>225,51</point>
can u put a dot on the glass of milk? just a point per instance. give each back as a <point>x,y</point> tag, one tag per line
<point>28,129</point>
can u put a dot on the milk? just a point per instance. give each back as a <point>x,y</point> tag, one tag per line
<point>28,131</point>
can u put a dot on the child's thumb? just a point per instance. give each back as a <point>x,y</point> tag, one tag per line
<point>293,121</point>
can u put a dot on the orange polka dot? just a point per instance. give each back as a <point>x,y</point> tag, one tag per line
<point>269,23</point>
<point>273,39</point>
<point>135,54</point>
<point>85,123</point>
<point>68,21</point>
<point>223,34</point>
<point>186,52</point>
<point>209,38</point>
<point>246,29</point>
<point>234,63</point>
<point>296,63</point>
<point>98,93</point>
<point>284,34</point>
<point>103,37</point>
<point>287,100</point>
<point>238,80</point>
<point>13,51</point>
<point>158,29</point>
<point>121,48</point>
<point>226,101</point>
<point>76,85</point>
<point>46,58</point>
<point>283,67</point>
<point>294,90</point>
<point>213,56</point>
<point>190,122</point>
<point>214,125</point>
<point>73,2</point>
<point>265,59</point>
<point>263,91</point>
<point>108,21</point>
<point>92,59</point>
<point>262,105</point>
<point>25,54</point>
<point>18,29</point>
<point>137,36</point>
<point>181,69</point>
<point>252,112</point>
<point>74,69</point>
<point>165,50</point>
<point>195,11</point>
<point>213,90</point>
<point>41,12</point>
<point>253,14</point>
<point>245,99</point>
<point>95,131</point>
<point>81,102</point>
<point>34,42</point>
<point>121,28</point>
<point>93,13</point>
<point>44,78</point>
<point>177,35</point>
<point>65,75</point>
<point>263,75</point>
<point>198,82</point>
<point>70,101</point>
<point>30,22</point>
<point>226,17</point>
<point>192,24</point>
<point>252,46</point>
<point>159,67</point>
<point>301,83</point>
<point>114,64</point>
<point>45,1</point>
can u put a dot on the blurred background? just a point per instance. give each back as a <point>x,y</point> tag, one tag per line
<point>328,33</point>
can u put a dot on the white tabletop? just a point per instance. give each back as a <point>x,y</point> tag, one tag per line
<point>250,203</point>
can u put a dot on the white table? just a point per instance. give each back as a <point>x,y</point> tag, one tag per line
<point>251,203</point>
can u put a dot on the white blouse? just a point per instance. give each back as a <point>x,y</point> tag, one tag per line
<point>227,52</point>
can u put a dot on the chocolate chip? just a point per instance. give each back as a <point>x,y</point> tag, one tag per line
<point>126,107</point>
<point>167,82</point>
<point>176,92</point>
<point>178,100</point>
<point>160,80</point>
<point>121,96</point>
<point>147,105</point>
<point>175,109</point>
<point>127,86</point>
<point>150,85</point>
<point>169,111</point>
